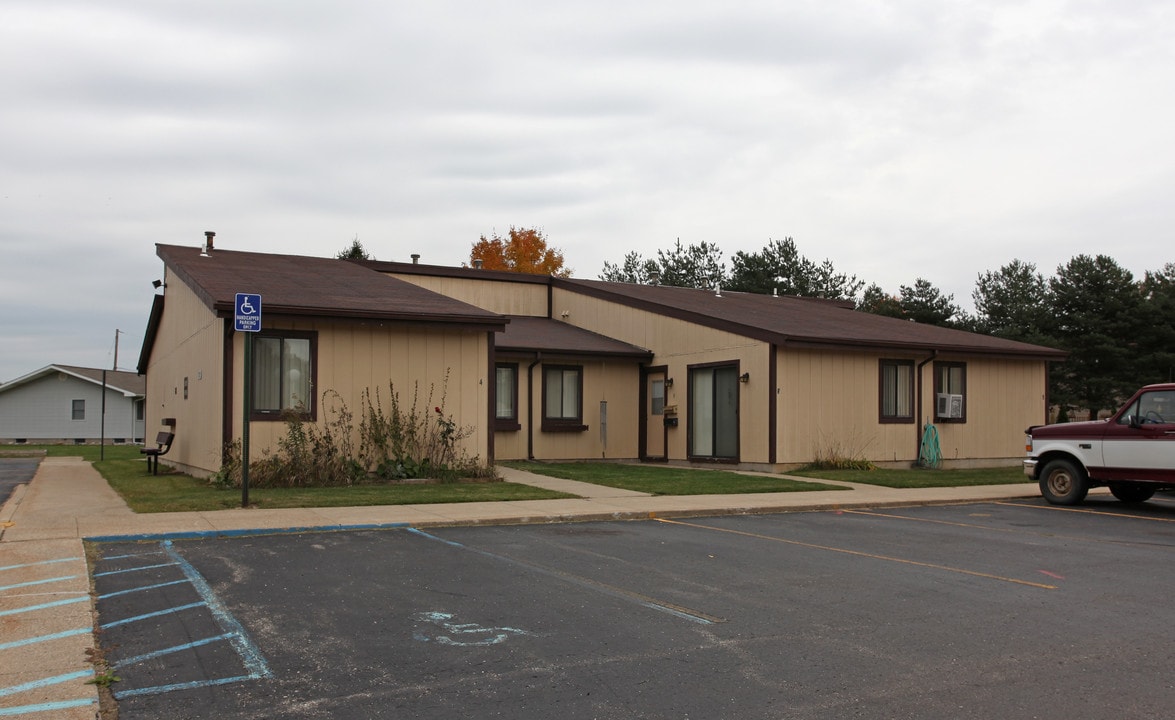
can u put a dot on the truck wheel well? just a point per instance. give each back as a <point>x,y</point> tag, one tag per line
<point>1048,457</point>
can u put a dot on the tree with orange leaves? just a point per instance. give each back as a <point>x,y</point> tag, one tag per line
<point>523,250</point>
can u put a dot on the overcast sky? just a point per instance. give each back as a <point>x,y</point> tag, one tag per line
<point>906,139</point>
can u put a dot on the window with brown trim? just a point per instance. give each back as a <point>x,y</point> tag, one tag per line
<point>950,392</point>
<point>563,398</point>
<point>285,364</point>
<point>506,394</point>
<point>896,391</point>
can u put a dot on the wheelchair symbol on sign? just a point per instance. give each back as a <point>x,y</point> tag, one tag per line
<point>247,308</point>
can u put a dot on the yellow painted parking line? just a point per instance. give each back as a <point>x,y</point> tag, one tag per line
<point>1013,531</point>
<point>931,521</point>
<point>1087,511</point>
<point>858,553</point>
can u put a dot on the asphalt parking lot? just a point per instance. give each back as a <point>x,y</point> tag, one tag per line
<point>15,471</point>
<point>1009,610</point>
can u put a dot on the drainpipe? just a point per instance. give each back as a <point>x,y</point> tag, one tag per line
<point>918,428</point>
<point>538,358</point>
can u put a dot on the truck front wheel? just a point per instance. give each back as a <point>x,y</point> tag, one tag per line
<point>1063,482</point>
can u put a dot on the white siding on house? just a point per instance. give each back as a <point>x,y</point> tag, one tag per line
<point>42,409</point>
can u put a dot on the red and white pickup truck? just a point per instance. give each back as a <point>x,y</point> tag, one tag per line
<point>1132,452</point>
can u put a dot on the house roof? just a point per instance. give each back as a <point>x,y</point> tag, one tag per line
<point>312,286</point>
<point>798,321</point>
<point>302,286</point>
<point>544,335</point>
<point>128,383</point>
<point>785,321</point>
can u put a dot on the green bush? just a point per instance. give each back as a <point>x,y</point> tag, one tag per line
<point>394,444</point>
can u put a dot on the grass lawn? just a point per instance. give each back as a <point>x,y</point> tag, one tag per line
<point>176,492</point>
<point>667,480</point>
<point>922,478</point>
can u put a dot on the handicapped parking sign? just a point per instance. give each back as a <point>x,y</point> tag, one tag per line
<point>247,312</point>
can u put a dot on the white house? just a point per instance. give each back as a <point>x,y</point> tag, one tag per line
<point>63,404</point>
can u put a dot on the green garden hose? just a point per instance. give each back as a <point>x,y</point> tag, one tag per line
<point>929,455</point>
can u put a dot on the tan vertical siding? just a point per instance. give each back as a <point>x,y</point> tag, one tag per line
<point>611,381</point>
<point>428,366</point>
<point>1003,398</point>
<point>679,344</point>
<point>189,344</point>
<point>829,405</point>
<point>506,298</point>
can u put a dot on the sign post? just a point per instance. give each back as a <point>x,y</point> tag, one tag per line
<point>247,319</point>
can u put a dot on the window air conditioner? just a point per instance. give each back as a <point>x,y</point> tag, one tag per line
<point>949,406</point>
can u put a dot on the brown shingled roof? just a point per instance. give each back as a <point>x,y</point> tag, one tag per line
<point>799,321</point>
<point>539,334</point>
<point>311,286</point>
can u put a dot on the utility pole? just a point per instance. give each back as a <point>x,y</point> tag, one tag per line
<point>116,332</point>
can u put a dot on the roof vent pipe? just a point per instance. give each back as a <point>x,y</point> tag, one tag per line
<point>654,277</point>
<point>477,264</point>
<point>208,235</point>
<point>415,258</point>
<point>717,291</point>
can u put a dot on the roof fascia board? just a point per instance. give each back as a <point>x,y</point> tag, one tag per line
<point>386,266</point>
<point>151,332</point>
<point>921,348</point>
<point>449,322</point>
<point>549,352</point>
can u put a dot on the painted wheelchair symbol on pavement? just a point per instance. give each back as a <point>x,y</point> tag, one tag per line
<point>460,634</point>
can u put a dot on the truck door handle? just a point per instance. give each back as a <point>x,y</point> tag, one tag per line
<point>1085,446</point>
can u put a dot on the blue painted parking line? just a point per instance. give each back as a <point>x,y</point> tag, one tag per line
<point>36,564</point>
<point>145,588</point>
<point>31,583</point>
<point>45,682</point>
<point>135,569</point>
<point>148,616</point>
<point>44,638</point>
<point>250,654</point>
<point>128,555</point>
<point>45,606</point>
<point>231,631</point>
<point>45,707</point>
<point>194,685</point>
<point>171,650</point>
<point>252,532</point>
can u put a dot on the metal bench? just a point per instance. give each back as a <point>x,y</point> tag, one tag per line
<point>163,443</point>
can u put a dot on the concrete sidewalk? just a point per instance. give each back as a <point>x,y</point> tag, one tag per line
<point>46,613</point>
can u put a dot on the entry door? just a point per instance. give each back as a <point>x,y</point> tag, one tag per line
<point>714,411</point>
<point>655,430</point>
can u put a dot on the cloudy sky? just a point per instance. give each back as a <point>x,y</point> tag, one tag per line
<point>899,139</point>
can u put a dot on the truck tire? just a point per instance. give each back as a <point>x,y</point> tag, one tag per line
<point>1063,482</point>
<point>1131,493</point>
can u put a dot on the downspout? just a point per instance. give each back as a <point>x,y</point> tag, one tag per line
<point>538,358</point>
<point>918,428</point>
<point>773,406</point>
